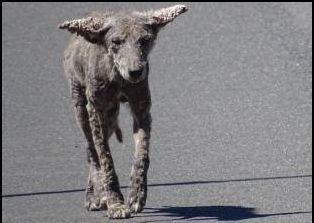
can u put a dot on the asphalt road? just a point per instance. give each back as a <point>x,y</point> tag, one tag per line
<point>232,116</point>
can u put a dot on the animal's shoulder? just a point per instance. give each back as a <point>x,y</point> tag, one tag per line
<point>76,47</point>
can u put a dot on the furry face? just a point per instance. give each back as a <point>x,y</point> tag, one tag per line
<point>129,43</point>
<point>128,36</point>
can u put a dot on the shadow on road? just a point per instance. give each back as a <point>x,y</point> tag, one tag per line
<point>221,213</point>
<point>163,184</point>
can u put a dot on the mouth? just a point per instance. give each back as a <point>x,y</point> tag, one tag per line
<point>135,80</point>
<point>130,79</point>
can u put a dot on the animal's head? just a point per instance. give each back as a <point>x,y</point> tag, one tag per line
<point>128,37</point>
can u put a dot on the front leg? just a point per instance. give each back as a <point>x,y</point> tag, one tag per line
<point>105,180</point>
<point>142,127</point>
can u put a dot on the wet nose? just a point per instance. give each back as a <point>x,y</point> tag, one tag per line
<point>136,73</point>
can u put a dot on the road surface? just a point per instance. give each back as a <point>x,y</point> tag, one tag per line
<point>231,87</point>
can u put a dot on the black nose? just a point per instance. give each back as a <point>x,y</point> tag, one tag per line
<point>136,73</point>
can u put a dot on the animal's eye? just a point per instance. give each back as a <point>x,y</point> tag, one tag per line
<point>117,41</point>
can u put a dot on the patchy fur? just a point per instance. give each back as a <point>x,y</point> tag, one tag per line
<point>106,62</point>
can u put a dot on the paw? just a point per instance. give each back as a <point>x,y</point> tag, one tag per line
<point>136,207</point>
<point>95,204</point>
<point>136,203</point>
<point>90,206</point>
<point>118,211</point>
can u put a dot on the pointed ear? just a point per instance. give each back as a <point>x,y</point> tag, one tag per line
<point>90,28</point>
<point>163,16</point>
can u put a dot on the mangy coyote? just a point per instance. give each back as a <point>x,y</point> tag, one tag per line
<point>106,63</point>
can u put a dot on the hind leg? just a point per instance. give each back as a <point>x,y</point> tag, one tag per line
<point>92,198</point>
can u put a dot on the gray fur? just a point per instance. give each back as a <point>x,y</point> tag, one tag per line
<point>106,63</point>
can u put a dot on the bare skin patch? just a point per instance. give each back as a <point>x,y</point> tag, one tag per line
<point>106,62</point>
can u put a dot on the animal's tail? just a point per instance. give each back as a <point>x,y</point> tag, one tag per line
<point>118,133</point>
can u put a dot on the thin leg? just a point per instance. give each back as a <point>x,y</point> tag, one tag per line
<point>92,201</point>
<point>106,179</point>
<point>142,127</point>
